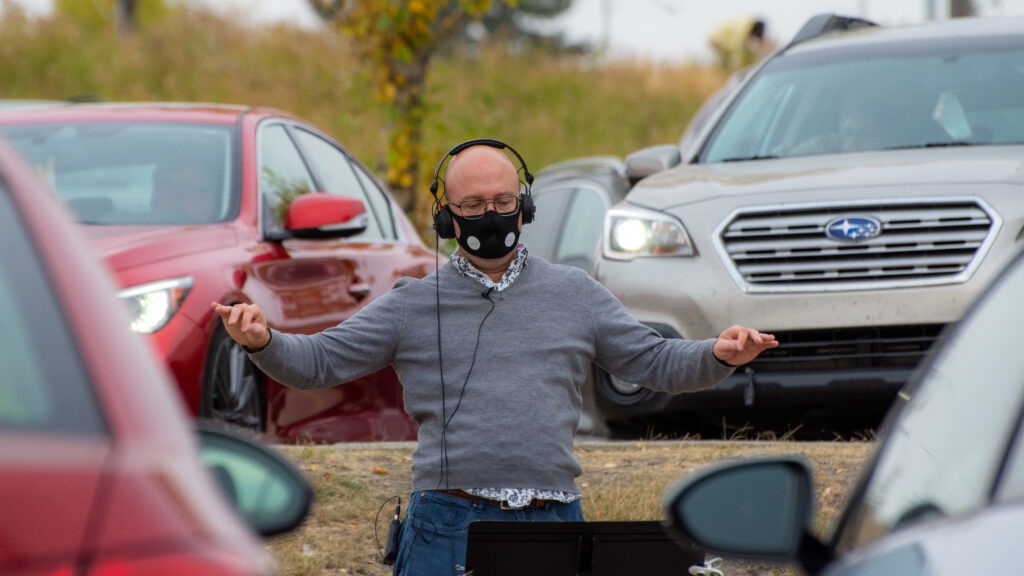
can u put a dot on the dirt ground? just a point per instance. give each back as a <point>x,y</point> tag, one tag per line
<point>357,485</point>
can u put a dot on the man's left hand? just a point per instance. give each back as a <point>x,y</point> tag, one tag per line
<point>737,345</point>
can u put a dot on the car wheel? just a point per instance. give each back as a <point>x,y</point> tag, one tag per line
<point>232,392</point>
<point>626,409</point>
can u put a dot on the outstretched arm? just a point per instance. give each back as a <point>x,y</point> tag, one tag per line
<point>245,323</point>
<point>737,345</point>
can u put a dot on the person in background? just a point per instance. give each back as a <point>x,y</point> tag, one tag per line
<point>491,350</point>
<point>738,42</point>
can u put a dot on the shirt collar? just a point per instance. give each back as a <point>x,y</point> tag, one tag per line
<point>464,267</point>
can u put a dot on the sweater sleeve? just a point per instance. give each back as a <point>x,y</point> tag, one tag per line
<point>637,353</point>
<point>361,345</point>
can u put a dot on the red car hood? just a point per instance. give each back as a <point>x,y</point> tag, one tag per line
<point>125,247</point>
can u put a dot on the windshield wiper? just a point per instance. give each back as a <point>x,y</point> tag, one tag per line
<point>950,144</point>
<point>746,158</point>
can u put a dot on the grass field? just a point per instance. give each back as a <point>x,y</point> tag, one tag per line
<point>621,481</point>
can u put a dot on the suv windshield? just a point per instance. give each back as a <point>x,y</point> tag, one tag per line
<point>882,97</point>
<point>133,173</point>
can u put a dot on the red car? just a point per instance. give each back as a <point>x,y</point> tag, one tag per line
<point>100,470</point>
<point>194,203</point>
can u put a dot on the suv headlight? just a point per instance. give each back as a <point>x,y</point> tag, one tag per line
<point>632,232</point>
<point>152,305</point>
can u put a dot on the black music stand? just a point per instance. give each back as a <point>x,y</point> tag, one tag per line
<point>576,549</point>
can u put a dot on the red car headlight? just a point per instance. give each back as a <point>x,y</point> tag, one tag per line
<point>152,305</point>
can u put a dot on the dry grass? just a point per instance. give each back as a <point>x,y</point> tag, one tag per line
<point>622,481</point>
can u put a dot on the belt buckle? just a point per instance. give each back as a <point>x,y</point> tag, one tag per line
<point>534,504</point>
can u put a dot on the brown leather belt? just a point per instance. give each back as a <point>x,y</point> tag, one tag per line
<point>535,504</point>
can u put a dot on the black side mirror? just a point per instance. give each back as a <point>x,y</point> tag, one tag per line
<point>755,508</point>
<point>268,492</point>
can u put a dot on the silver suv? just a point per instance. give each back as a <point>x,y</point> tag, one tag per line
<point>852,195</point>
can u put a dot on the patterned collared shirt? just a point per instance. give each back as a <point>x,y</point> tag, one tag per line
<point>514,497</point>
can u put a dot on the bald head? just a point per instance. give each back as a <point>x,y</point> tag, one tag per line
<point>481,172</point>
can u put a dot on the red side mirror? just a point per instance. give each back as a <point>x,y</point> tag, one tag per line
<point>322,214</point>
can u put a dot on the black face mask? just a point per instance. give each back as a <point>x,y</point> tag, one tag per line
<point>490,236</point>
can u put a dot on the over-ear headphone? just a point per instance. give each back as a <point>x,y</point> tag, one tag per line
<point>443,219</point>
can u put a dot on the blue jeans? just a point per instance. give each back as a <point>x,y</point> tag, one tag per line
<point>433,537</point>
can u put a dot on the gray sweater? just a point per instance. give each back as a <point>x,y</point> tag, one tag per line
<point>513,365</point>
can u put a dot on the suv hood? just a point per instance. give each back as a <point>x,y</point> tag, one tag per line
<point>125,247</point>
<point>693,183</point>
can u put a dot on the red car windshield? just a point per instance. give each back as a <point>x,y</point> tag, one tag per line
<point>134,173</point>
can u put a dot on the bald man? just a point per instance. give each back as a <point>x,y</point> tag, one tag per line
<point>491,351</point>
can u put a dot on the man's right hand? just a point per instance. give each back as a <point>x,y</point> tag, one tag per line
<point>245,323</point>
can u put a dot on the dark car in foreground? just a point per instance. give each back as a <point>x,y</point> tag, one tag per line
<point>851,195</point>
<point>101,470</point>
<point>190,204</point>
<point>942,495</point>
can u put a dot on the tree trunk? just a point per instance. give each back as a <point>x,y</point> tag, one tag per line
<point>127,15</point>
<point>961,8</point>
<point>406,141</point>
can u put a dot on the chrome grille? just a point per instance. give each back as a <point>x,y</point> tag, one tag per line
<point>787,249</point>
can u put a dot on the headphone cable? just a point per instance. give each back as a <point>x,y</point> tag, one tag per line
<point>440,359</point>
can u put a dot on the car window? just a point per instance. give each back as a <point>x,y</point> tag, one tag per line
<point>541,235</point>
<point>581,227</point>
<point>859,99</point>
<point>336,175</point>
<point>1011,485</point>
<point>283,175</point>
<point>134,172</point>
<point>379,201</point>
<point>571,216</point>
<point>942,454</point>
<point>707,110</point>
<point>44,386</point>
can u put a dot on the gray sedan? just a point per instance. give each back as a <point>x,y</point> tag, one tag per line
<point>943,495</point>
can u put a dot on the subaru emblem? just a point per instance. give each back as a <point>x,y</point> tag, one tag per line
<point>853,228</point>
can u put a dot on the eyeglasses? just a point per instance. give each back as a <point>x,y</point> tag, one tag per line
<point>474,207</point>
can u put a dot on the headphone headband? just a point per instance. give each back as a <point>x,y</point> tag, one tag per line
<point>442,219</point>
<point>479,142</point>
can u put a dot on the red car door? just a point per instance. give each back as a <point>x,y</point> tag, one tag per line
<point>323,282</point>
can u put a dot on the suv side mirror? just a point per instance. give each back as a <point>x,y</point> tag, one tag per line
<point>651,160</point>
<point>268,492</point>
